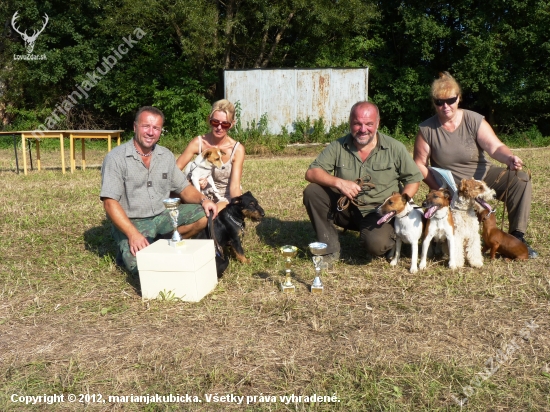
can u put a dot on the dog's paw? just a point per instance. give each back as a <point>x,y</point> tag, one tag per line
<point>393,262</point>
<point>422,265</point>
<point>413,269</point>
<point>243,259</point>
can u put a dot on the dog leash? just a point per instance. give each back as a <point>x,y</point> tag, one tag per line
<point>191,169</point>
<point>344,201</point>
<point>505,193</point>
<point>489,214</point>
<point>212,234</point>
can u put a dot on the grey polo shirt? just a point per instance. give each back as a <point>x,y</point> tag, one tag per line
<point>140,190</point>
<point>387,165</point>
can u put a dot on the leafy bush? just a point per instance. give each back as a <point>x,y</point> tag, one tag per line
<point>186,111</point>
<point>24,119</point>
<point>528,138</point>
<point>255,136</point>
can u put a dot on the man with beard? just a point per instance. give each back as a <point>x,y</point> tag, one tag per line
<point>351,177</point>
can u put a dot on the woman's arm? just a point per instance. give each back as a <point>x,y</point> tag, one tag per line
<point>489,142</point>
<point>191,150</point>
<point>421,155</point>
<point>236,172</point>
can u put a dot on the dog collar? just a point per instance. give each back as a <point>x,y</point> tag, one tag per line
<point>413,206</point>
<point>237,223</point>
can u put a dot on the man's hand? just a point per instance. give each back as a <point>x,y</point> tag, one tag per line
<point>348,188</point>
<point>321,177</point>
<point>209,206</point>
<point>118,216</point>
<point>137,242</point>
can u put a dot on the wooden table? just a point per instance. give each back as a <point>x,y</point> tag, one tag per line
<point>37,135</point>
<point>90,134</point>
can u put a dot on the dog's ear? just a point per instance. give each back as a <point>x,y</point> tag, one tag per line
<point>406,197</point>
<point>447,193</point>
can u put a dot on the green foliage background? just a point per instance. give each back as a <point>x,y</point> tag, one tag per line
<point>499,51</point>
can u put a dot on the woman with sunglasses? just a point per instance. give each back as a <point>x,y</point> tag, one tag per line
<point>457,140</point>
<point>228,177</point>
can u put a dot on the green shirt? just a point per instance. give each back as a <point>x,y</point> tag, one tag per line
<point>386,166</point>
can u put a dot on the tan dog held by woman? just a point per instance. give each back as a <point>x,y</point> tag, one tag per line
<point>201,168</point>
<point>498,241</point>
<point>439,224</point>
<point>407,224</point>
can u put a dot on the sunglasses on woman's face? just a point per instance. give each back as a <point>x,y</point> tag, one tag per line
<point>449,101</point>
<point>215,123</point>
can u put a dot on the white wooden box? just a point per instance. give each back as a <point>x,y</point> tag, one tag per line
<point>188,271</point>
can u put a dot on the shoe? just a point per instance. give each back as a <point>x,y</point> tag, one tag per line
<point>533,254</point>
<point>119,261</point>
<point>330,259</point>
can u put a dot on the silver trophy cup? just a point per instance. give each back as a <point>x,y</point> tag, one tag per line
<point>172,205</point>
<point>288,252</point>
<point>318,249</point>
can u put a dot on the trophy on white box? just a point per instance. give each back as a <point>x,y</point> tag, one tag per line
<point>172,205</point>
<point>318,249</point>
<point>288,252</point>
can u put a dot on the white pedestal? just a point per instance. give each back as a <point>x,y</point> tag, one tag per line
<point>189,271</point>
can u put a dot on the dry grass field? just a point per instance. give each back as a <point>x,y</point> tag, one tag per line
<point>378,339</point>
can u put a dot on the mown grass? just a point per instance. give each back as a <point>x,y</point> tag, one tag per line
<point>379,338</point>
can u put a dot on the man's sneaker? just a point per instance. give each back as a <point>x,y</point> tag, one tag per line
<point>533,254</point>
<point>119,261</point>
<point>330,259</point>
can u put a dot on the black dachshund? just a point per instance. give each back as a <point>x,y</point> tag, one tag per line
<point>229,226</point>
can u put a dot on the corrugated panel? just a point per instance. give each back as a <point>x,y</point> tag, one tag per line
<point>313,89</point>
<point>350,86</point>
<point>278,97</point>
<point>245,89</point>
<point>288,95</point>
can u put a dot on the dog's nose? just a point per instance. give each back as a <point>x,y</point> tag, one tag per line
<point>424,204</point>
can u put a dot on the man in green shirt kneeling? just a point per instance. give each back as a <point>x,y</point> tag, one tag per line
<point>351,177</point>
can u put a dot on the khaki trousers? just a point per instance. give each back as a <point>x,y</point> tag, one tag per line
<point>520,189</point>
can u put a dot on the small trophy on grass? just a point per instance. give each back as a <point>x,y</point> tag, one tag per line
<point>318,249</point>
<point>288,252</point>
<point>172,205</point>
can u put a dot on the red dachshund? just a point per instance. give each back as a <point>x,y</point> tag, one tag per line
<point>499,241</point>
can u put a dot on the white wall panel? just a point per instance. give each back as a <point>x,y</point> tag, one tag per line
<point>288,95</point>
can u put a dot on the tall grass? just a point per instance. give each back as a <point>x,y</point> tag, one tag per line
<point>378,338</point>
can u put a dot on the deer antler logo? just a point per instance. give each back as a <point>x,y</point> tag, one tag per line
<point>29,40</point>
